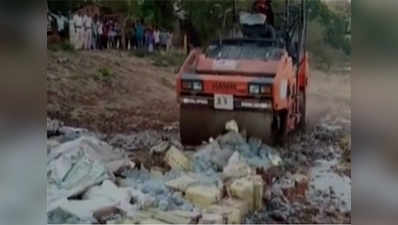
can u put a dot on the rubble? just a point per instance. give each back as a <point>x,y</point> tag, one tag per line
<point>107,214</point>
<point>232,210</point>
<point>160,148</point>
<point>232,126</point>
<point>203,196</point>
<point>217,183</point>
<point>82,165</point>
<point>75,166</point>
<point>170,217</point>
<point>249,189</point>
<point>306,188</point>
<point>182,183</point>
<point>177,160</point>
<point>143,140</point>
<point>210,218</point>
<point>53,127</point>
<point>236,168</point>
<point>156,187</point>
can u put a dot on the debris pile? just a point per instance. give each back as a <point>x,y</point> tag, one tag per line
<point>90,181</point>
<point>307,188</point>
<point>230,179</point>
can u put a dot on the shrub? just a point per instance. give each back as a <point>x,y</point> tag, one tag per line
<point>172,58</point>
<point>61,46</point>
<point>104,74</point>
<point>67,46</point>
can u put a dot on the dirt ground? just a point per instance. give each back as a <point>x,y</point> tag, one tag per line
<point>138,95</point>
<point>131,95</point>
<point>329,97</point>
<point>133,103</point>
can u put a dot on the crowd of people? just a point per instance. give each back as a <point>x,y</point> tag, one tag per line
<point>99,33</point>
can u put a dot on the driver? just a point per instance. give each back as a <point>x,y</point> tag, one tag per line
<point>264,7</point>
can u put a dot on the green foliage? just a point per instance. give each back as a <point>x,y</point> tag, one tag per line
<point>61,46</point>
<point>63,6</point>
<point>160,13</point>
<point>207,17</point>
<point>324,56</point>
<point>173,59</point>
<point>104,74</point>
<point>335,25</point>
<point>67,46</point>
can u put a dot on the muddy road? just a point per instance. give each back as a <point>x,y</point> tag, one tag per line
<point>133,107</point>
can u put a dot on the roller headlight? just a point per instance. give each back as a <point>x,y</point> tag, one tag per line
<point>197,86</point>
<point>187,85</point>
<point>190,85</point>
<point>254,89</point>
<point>257,89</point>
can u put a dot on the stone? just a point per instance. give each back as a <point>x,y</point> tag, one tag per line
<point>236,168</point>
<point>275,160</point>
<point>250,189</point>
<point>177,160</point>
<point>62,60</point>
<point>160,148</point>
<point>211,156</point>
<point>74,167</point>
<point>258,184</point>
<point>151,221</point>
<point>231,138</point>
<point>169,217</point>
<point>156,172</point>
<point>241,209</point>
<point>181,183</point>
<point>209,218</point>
<point>186,214</point>
<point>203,196</point>
<point>255,144</point>
<point>243,189</point>
<point>107,213</point>
<point>119,197</point>
<point>232,126</point>
<point>51,144</point>
<point>84,209</point>
<point>232,210</point>
<point>53,126</point>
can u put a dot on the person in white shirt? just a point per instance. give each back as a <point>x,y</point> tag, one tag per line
<point>87,23</point>
<point>156,36</point>
<point>90,33</point>
<point>78,28</point>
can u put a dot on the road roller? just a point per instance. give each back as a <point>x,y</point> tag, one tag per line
<point>257,77</point>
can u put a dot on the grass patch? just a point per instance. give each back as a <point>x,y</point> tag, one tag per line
<point>104,74</point>
<point>324,56</point>
<point>160,58</point>
<point>167,59</point>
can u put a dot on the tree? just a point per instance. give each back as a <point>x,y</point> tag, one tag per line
<point>335,24</point>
